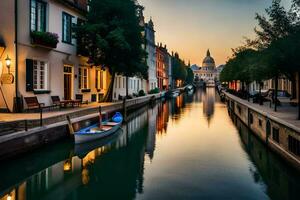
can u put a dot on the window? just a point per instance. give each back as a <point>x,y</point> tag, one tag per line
<point>83,78</point>
<point>67,28</point>
<point>99,79</point>
<point>124,80</point>
<point>260,122</point>
<point>120,82</point>
<point>276,135</point>
<point>37,15</point>
<point>40,75</point>
<point>294,145</point>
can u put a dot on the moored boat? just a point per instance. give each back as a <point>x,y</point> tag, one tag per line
<point>82,149</point>
<point>99,131</point>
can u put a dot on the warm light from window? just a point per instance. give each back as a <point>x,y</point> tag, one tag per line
<point>8,197</point>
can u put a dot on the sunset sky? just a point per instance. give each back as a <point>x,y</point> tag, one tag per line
<point>190,27</point>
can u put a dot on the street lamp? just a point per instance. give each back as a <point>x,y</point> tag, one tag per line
<point>8,63</point>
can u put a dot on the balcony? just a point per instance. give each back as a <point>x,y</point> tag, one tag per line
<point>44,39</point>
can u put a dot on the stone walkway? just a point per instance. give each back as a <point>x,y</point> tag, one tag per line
<point>285,112</point>
<point>10,117</point>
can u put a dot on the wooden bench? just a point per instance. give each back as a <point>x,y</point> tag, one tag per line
<point>33,104</point>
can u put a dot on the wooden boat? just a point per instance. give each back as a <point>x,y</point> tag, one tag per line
<point>98,131</point>
<point>81,150</point>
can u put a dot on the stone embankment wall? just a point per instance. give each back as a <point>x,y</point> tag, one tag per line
<point>280,136</point>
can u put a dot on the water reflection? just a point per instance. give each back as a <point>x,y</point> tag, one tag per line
<point>282,181</point>
<point>208,97</point>
<point>161,149</point>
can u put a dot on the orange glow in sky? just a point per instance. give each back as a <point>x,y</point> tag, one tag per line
<point>190,27</point>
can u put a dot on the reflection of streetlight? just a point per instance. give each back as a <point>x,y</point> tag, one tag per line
<point>67,166</point>
<point>8,63</point>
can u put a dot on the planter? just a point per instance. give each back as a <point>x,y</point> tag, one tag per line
<point>86,90</point>
<point>44,39</point>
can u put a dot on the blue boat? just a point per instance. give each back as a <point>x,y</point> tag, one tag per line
<point>99,131</point>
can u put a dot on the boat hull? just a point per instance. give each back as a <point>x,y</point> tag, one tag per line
<point>88,137</point>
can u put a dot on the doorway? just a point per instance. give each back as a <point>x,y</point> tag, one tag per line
<point>68,71</point>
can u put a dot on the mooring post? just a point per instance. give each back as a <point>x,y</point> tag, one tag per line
<point>70,126</point>
<point>100,118</point>
<point>41,116</point>
<point>26,125</point>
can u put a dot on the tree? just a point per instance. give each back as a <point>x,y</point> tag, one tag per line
<point>279,24</point>
<point>111,37</point>
<point>288,54</point>
<point>179,69</point>
<point>190,76</point>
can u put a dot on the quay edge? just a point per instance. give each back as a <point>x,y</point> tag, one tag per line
<point>56,128</point>
<point>274,132</point>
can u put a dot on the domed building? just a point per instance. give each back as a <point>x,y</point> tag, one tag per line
<point>208,62</point>
<point>207,73</point>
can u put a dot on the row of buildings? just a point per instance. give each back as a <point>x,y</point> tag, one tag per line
<point>39,56</point>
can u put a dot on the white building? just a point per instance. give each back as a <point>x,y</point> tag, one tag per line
<point>135,84</point>
<point>151,50</point>
<point>208,71</point>
<point>44,69</point>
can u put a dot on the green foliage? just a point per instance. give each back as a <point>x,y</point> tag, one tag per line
<point>273,52</point>
<point>44,38</point>
<point>112,37</point>
<point>179,69</point>
<point>154,91</point>
<point>142,93</point>
<point>190,76</point>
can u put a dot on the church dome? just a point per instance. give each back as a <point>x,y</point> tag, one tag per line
<point>208,60</point>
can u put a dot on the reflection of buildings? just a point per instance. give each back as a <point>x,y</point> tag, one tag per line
<point>209,103</point>
<point>176,106</point>
<point>117,165</point>
<point>282,181</point>
<point>150,146</point>
<point>162,117</point>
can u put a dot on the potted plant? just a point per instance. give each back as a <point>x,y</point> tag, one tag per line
<point>46,39</point>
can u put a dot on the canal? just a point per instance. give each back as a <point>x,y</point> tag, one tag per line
<point>185,148</point>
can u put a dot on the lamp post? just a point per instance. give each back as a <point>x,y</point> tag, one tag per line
<point>8,63</point>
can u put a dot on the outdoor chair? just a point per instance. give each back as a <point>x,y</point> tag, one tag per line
<point>79,100</point>
<point>33,104</point>
<point>56,101</point>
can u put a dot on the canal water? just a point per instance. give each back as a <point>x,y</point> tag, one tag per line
<point>185,148</point>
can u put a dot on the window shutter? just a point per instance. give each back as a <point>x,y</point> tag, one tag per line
<point>29,75</point>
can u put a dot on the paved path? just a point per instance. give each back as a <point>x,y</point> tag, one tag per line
<point>9,117</point>
<point>285,112</point>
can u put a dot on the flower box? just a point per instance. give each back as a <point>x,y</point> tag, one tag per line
<point>45,39</point>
